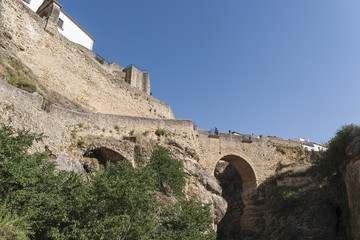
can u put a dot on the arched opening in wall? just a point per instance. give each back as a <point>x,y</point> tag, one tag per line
<point>235,176</point>
<point>100,157</point>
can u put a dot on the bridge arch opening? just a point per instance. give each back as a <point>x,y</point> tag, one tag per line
<point>235,176</point>
<point>103,155</point>
<point>245,170</point>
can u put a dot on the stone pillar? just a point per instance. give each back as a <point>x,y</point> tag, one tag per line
<point>50,10</point>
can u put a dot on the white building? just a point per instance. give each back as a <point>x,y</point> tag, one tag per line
<point>33,4</point>
<point>65,24</point>
<point>311,146</point>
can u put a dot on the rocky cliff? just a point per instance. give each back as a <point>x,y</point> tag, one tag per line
<point>352,180</point>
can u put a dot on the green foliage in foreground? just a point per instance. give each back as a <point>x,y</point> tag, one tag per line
<point>169,171</point>
<point>335,159</point>
<point>119,202</point>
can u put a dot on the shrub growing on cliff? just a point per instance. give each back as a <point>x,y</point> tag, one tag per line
<point>160,132</point>
<point>12,226</point>
<point>332,167</point>
<point>335,159</point>
<point>186,220</point>
<point>168,171</point>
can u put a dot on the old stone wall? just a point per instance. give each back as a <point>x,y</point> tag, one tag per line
<point>69,69</point>
<point>64,128</point>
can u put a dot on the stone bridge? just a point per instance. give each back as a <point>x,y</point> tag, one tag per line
<point>255,159</point>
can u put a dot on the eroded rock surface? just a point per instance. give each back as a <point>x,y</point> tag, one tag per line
<point>352,180</point>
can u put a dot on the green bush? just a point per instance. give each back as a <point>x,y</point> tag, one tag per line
<point>335,159</point>
<point>168,171</point>
<point>117,203</point>
<point>280,150</point>
<point>28,85</point>
<point>160,132</point>
<point>12,226</point>
<point>186,220</point>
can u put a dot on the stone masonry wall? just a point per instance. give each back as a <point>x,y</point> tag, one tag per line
<point>69,69</point>
<point>62,127</point>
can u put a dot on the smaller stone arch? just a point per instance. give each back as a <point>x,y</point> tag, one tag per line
<point>246,171</point>
<point>103,155</point>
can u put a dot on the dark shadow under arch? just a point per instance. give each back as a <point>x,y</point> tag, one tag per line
<point>235,176</point>
<point>245,170</point>
<point>104,155</point>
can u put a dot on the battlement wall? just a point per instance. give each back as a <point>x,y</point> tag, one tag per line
<point>72,70</point>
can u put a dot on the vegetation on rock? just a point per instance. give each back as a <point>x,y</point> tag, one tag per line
<point>39,202</point>
<point>332,169</point>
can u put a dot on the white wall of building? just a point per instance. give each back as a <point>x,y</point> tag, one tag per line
<point>74,33</point>
<point>33,4</point>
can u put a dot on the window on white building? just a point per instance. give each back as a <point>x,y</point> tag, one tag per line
<point>27,1</point>
<point>61,23</point>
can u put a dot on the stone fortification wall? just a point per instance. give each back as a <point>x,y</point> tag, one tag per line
<point>283,142</point>
<point>72,70</point>
<point>64,128</point>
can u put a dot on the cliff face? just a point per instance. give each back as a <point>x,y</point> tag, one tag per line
<point>292,205</point>
<point>352,180</point>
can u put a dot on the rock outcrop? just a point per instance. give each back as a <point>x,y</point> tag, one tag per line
<point>287,206</point>
<point>352,180</point>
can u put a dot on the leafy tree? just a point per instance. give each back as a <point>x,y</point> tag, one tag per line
<point>335,159</point>
<point>119,202</point>
<point>12,226</point>
<point>123,203</point>
<point>168,171</point>
<point>186,220</point>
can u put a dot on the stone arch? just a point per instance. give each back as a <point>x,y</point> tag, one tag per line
<point>236,177</point>
<point>246,171</point>
<point>103,155</point>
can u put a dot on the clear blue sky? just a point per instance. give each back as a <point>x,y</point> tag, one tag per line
<point>283,68</point>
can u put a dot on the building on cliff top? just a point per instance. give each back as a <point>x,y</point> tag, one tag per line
<point>58,20</point>
<point>311,146</point>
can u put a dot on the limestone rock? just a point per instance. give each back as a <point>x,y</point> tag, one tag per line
<point>190,151</point>
<point>193,168</point>
<point>220,207</point>
<point>212,185</point>
<point>67,163</point>
<point>205,188</point>
<point>174,143</point>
